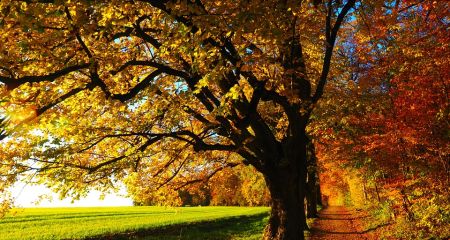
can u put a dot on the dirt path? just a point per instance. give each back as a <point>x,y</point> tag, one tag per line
<point>339,223</point>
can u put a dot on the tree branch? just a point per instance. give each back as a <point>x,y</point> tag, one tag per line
<point>229,165</point>
<point>65,96</point>
<point>164,68</point>
<point>77,33</point>
<point>13,83</point>
<point>139,87</point>
<point>331,34</point>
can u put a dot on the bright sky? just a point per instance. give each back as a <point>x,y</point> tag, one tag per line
<point>26,196</point>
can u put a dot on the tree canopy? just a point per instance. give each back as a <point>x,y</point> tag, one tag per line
<point>165,94</point>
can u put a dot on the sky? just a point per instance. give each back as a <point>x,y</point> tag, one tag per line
<point>26,196</point>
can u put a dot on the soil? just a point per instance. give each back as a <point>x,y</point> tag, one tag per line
<point>339,222</point>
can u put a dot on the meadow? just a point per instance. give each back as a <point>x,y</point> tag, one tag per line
<point>134,223</point>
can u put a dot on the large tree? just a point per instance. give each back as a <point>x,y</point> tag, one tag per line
<point>168,92</point>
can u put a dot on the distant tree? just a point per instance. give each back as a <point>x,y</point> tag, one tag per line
<point>239,186</point>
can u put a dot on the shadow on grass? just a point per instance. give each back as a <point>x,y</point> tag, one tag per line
<point>242,227</point>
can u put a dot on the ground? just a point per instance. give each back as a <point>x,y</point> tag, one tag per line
<point>339,222</point>
<point>149,223</point>
<point>162,223</point>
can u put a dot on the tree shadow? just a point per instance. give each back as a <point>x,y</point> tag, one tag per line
<point>328,218</point>
<point>323,232</point>
<point>335,214</point>
<point>250,227</point>
<point>315,231</point>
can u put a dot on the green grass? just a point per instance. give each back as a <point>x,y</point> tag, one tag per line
<point>135,222</point>
<point>236,228</point>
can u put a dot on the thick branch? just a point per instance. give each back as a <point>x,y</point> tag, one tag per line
<point>139,87</point>
<point>155,137</point>
<point>331,34</point>
<point>13,83</point>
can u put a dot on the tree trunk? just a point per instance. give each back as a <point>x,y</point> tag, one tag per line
<point>311,198</point>
<point>377,193</point>
<point>287,218</point>
<point>319,195</point>
<point>287,185</point>
<point>311,195</point>
<point>365,191</point>
<point>405,205</point>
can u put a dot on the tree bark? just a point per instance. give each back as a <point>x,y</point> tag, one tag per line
<point>287,217</point>
<point>311,198</point>
<point>311,195</point>
<point>287,185</point>
<point>365,191</point>
<point>319,195</point>
<point>377,193</point>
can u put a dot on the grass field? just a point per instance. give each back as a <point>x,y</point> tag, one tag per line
<point>135,223</point>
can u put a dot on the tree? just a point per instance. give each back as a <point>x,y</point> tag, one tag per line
<point>389,129</point>
<point>410,138</point>
<point>238,186</point>
<point>312,183</point>
<point>241,186</point>
<point>174,91</point>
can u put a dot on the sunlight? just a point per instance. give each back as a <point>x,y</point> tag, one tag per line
<point>33,196</point>
<point>22,114</point>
